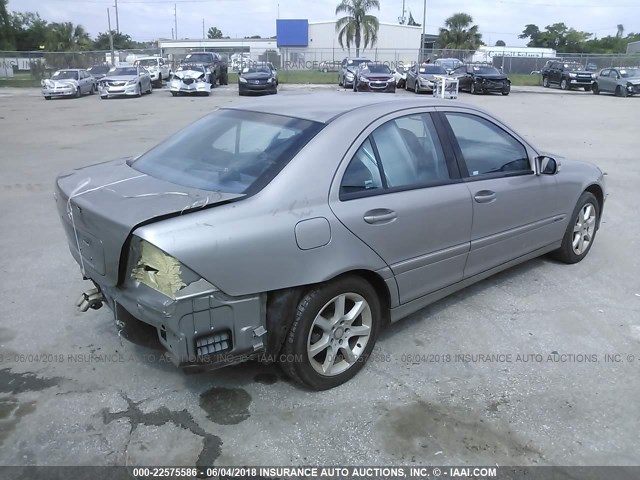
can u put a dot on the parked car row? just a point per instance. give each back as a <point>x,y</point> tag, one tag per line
<point>621,81</point>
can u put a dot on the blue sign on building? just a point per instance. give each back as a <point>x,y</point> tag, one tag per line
<point>292,33</point>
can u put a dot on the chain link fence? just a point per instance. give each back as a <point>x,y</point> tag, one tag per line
<point>29,68</point>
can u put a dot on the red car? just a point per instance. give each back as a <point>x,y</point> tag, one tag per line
<point>374,77</point>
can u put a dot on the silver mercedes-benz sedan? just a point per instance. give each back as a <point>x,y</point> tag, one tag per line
<point>294,229</point>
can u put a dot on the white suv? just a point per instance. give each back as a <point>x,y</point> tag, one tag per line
<point>157,67</point>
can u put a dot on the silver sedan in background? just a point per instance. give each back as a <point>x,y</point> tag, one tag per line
<point>70,82</point>
<point>296,229</point>
<point>125,81</point>
<point>621,81</point>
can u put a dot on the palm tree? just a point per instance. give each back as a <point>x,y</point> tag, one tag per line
<point>357,26</point>
<point>65,37</point>
<point>459,33</point>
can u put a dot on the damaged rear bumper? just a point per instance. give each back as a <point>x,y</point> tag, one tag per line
<point>201,327</point>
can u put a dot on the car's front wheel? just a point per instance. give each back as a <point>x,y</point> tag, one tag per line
<point>333,332</point>
<point>545,82</point>
<point>581,231</point>
<point>564,85</point>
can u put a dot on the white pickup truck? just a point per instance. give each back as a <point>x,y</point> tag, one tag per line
<point>158,68</point>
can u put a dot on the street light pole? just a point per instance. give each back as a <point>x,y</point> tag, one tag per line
<point>175,18</point>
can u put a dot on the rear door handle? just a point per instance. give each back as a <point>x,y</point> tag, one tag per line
<point>380,215</point>
<point>485,196</point>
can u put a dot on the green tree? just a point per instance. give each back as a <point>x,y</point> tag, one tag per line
<point>7,38</point>
<point>459,33</point>
<point>30,30</point>
<point>557,36</point>
<point>500,43</point>
<point>67,37</point>
<point>214,32</point>
<point>357,27</point>
<point>121,41</point>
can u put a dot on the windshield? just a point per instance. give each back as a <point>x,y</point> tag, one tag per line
<point>573,66</point>
<point>432,70</point>
<point>358,61</point>
<point>630,73</point>
<point>229,151</point>
<point>486,71</point>
<point>148,62</point>
<point>124,71</point>
<point>449,63</point>
<point>198,58</point>
<point>256,69</point>
<point>99,69</point>
<point>65,75</point>
<point>372,68</point>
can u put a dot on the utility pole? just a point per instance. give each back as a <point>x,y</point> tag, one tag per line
<point>175,18</point>
<point>110,37</point>
<point>172,35</point>
<point>424,31</point>
<point>203,37</point>
<point>402,19</point>
<point>117,19</point>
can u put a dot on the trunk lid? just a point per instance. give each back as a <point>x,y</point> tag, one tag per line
<point>101,205</point>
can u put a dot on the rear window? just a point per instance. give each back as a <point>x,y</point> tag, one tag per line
<point>229,151</point>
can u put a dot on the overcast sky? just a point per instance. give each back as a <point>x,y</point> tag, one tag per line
<point>148,20</point>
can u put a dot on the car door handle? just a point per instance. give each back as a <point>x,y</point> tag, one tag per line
<point>484,196</point>
<point>380,215</point>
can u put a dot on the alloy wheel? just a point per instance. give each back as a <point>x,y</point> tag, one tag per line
<point>584,228</point>
<point>339,334</point>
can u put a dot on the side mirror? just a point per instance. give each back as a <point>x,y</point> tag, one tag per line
<point>546,165</point>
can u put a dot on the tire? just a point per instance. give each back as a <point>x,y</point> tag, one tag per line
<point>473,90</point>
<point>340,82</point>
<point>587,88</point>
<point>175,94</point>
<point>578,229</point>
<point>104,97</point>
<point>150,89</point>
<point>93,90</point>
<point>545,82</point>
<point>416,88</point>
<point>564,85</point>
<point>621,92</point>
<point>47,98</point>
<point>139,91</point>
<point>505,92</point>
<point>595,89</point>
<point>78,92</point>
<point>307,331</point>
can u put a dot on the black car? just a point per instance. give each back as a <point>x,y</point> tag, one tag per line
<point>258,77</point>
<point>482,79</point>
<point>374,77</point>
<point>99,71</point>
<point>216,65</point>
<point>567,75</point>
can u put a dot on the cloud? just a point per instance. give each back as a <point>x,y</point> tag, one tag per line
<point>498,19</point>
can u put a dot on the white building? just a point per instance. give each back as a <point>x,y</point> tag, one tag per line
<point>313,44</point>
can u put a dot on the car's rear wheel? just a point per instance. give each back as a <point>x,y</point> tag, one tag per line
<point>333,332</point>
<point>595,89</point>
<point>564,85</point>
<point>545,82</point>
<point>581,231</point>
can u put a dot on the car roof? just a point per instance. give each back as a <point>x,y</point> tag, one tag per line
<point>325,107</point>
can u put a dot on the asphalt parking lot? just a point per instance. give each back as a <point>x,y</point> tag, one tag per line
<point>72,392</point>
